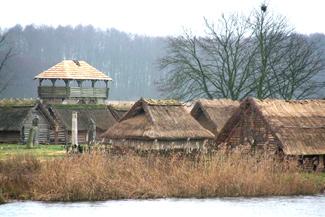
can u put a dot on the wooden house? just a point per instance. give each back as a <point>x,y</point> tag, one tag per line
<point>62,115</point>
<point>16,121</point>
<point>213,114</point>
<point>158,125</point>
<point>291,128</point>
<point>73,81</point>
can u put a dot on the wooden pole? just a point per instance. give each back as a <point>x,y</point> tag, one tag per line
<point>74,130</point>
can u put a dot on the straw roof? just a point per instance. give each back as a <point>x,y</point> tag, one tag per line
<point>157,119</point>
<point>13,117</point>
<point>217,111</point>
<point>100,114</point>
<point>119,110</point>
<point>299,125</point>
<point>73,70</point>
<point>18,102</point>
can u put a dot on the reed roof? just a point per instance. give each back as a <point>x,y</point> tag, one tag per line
<point>119,110</point>
<point>73,70</point>
<point>18,102</point>
<point>100,114</point>
<point>298,124</point>
<point>216,111</point>
<point>157,119</point>
<point>13,117</point>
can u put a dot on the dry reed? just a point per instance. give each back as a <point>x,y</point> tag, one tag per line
<point>103,176</point>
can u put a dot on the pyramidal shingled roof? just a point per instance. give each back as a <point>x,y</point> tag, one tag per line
<point>73,69</point>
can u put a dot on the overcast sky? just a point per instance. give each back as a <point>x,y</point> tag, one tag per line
<point>154,17</point>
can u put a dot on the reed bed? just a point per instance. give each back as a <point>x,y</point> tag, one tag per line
<point>100,176</point>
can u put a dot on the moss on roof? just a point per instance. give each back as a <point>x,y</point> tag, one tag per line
<point>18,102</point>
<point>162,102</point>
<point>79,106</point>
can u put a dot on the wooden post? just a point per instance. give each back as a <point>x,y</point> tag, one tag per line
<point>33,133</point>
<point>91,134</point>
<point>74,129</point>
<point>79,83</point>
<point>31,136</point>
<point>93,82</point>
<point>106,84</point>
<point>53,82</point>
<point>67,83</point>
<point>56,134</point>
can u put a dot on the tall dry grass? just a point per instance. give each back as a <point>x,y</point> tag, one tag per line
<point>103,176</point>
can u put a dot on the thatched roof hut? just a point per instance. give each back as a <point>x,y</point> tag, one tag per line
<point>213,114</point>
<point>158,124</point>
<point>63,115</point>
<point>15,122</point>
<point>295,128</point>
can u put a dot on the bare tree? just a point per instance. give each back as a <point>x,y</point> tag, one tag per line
<point>301,61</point>
<point>285,61</point>
<point>230,54</point>
<point>5,54</point>
<point>216,66</point>
<point>270,34</point>
<point>257,56</point>
<point>187,74</point>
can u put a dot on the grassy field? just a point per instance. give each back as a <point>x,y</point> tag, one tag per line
<point>41,151</point>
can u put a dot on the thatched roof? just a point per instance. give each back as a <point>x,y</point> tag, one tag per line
<point>119,110</point>
<point>12,117</point>
<point>99,113</point>
<point>216,111</point>
<point>73,70</point>
<point>157,119</point>
<point>18,102</point>
<point>298,124</point>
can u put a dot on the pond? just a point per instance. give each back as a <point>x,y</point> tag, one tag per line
<point>240,207</point>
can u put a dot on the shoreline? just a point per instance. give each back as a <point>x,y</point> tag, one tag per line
<point>226,198</point>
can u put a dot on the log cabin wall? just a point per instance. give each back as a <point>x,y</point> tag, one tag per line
<point>10,137</point>
<point>43,127</point>
<point>64,136</point>
<point>82,137</point>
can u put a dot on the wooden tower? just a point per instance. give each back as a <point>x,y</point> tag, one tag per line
<point>74,73</point>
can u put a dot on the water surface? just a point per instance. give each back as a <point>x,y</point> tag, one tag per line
<point>301,206</point>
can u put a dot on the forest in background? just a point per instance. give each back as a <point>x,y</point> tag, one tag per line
<point>131,60</point>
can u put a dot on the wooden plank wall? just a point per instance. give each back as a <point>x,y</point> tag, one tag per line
<point>72,92</point>
<point>43,126</point>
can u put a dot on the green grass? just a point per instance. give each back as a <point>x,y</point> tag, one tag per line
<point>316,177</point>
<point>42,151</point>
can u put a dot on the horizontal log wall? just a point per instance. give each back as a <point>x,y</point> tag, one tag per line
<point>10,137</point>
<point>43,127</point>
<point>46,92</point>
